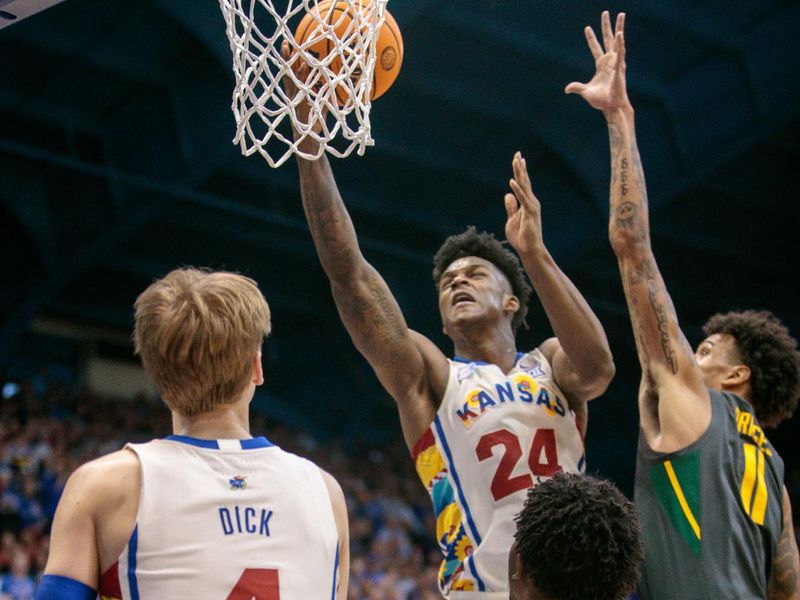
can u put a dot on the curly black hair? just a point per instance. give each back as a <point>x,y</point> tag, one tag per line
<point>485,246</point>
<point>771,354</point>
<point>578,537</point>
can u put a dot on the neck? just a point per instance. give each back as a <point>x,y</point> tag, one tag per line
<point>230,421</point>
<point>496,346</point>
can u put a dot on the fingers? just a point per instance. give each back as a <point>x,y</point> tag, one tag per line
<point>521,183</point>
<point>608,35</point>
<point>511,205</point>
<point>620,26</point>
<point>575,88</point>
<point>619,48</point>
<point>594,45</point>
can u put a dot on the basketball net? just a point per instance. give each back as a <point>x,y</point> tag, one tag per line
<point>262,108</point>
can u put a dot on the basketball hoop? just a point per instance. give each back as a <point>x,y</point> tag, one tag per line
<point>339,83</point>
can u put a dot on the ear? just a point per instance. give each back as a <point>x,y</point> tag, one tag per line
<point>511,304</point>
<point>258,372</point>
<point>516,567</point>
<point>737,376</point>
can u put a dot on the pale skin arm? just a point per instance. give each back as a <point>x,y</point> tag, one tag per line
<point>674,404</point>
<point>94,518</point>
<point>581,359</point>
<point>409,366</point>
<point>784,581</point>
<point>343,529</point>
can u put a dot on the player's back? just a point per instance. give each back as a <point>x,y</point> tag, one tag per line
<point>227,519</point>
<point>711,513</point>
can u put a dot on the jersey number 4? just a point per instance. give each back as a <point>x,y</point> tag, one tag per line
<point>502,482</point>
<point>256,584</point>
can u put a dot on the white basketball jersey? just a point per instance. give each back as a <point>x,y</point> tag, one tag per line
<point>494,436</point>
<point>227,520</point>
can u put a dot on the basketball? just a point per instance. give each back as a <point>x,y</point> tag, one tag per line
<point>388,47</point>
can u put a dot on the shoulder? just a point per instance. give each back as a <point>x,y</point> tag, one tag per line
<point>548,348</point>
<point>100,483</point>
<point>334,489</point>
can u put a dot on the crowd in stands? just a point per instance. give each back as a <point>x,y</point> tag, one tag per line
<point>46,432</point>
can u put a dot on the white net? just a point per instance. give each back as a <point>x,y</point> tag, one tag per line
<point>339,48</point>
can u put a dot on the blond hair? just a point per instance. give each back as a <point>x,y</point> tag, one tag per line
<point>197,332</point>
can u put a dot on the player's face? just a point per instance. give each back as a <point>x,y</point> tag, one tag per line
<point>471,289</point>
<point>716,356</point>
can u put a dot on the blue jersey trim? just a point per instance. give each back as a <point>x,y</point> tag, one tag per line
<point>452,468</point>
<point>335,571</point>
<point>132,544</point>
<point>58,587</point>
<point>185,439</point>
<point>249,444</point>
<point>483,362</point>
<point>468,361</point>
<point>256,442</point>
<point>581,463</point>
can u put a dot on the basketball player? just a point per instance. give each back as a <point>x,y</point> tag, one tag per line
<point>209,512</point>
<point>577,537</point>
<point>715,514</point>
<point>487,424</point>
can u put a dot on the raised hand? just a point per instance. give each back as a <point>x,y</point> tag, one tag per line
<point>607,90</point>
<point>524,224</point>
<point>303,106</point>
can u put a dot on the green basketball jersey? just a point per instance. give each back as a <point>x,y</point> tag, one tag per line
<point>711,514</point>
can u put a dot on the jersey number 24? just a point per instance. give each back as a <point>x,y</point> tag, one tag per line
<point>503,484</point>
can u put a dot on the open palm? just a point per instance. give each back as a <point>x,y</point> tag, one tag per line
<point>607,90</point>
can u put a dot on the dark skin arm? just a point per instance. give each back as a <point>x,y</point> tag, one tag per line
<point>674,405</point>
<point>579,353</point>
<point>784,581</point>
<point>411,368</point>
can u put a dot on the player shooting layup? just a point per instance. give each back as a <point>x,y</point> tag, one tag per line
<point>485,425</point>
<point>209,512</point>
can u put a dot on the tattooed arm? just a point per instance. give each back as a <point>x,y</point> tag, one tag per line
<point>674,405</point>
<point>411,368</point>
<point>784,581</point>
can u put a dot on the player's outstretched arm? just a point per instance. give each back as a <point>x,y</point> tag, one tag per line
<point>674,405</point>
<point>784,581</point>
<point>408,365</point>
<point>581,359</point>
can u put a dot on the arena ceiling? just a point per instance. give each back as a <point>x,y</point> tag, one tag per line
<point>117,165</point>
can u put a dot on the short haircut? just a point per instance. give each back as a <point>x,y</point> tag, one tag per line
<point>771,354</point>
<point>485,246</point>
<point>578,537</point>
<point>196,332</point>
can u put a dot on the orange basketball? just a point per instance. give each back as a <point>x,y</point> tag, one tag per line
<point>388,47</point>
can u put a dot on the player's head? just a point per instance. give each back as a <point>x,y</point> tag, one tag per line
<point>477,276</point>
<point>752,354</point>
<point>577,537</point>
<point>199,335</point>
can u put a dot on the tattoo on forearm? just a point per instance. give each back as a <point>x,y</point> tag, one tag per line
<point>645,272</point>
<point>626,215</point>
<point>623,163</point>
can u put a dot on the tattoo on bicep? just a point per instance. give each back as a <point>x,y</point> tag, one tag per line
<point>645,272</point>
<point>386,316</point>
